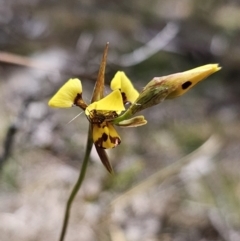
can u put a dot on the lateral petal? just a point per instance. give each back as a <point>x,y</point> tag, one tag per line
<point>67,94</point>
<point>124,84</point>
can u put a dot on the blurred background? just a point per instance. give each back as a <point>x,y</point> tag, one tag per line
<point>177,178</point>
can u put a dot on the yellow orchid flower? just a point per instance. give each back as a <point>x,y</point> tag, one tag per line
<point>102,112</point>
<point>105,112</point>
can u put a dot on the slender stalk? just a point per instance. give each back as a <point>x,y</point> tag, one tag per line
<point>78,184</point>
<point>126,115</point>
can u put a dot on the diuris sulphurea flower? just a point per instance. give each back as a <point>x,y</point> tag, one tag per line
<point>101,113</point>
<point>105,112</point>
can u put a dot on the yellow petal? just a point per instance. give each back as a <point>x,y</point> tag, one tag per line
<point>67,94</point>
<point>112,102</point>
<point>105,135</point>
<point>121,82</point>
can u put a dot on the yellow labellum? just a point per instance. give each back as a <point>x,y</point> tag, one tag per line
<point>105,136</point>
<point>112,102</point>
<point>121,82</point>
<point>67,94</point>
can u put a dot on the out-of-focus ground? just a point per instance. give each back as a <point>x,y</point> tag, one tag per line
<point>183,165</point>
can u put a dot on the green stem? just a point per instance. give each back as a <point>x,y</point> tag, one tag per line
<point>78,184</point>
<point>123,117</point>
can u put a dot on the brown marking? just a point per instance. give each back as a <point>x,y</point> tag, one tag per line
<point>104,137</point>
<point>93,119</point>
<point>186,85</point>
<point>115,140</point>
<point>98,117</point>
<point>124,97</point>
<point>100,140</point>
<point>78,101</point>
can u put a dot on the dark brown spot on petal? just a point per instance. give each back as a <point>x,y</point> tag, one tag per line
<point>100,140</point>
<point>186,85</point>
<point>115,140</point>
<point>98,117</point>
<point>95,118</point>
<point>124,97</point>
<point>80,102</point>
<point>104,137</point>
